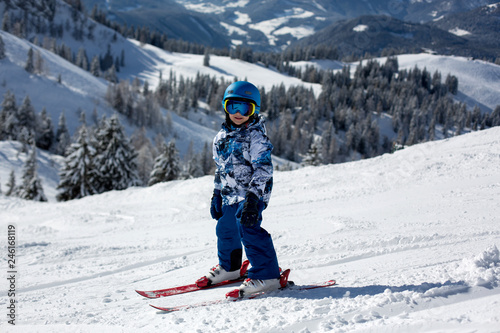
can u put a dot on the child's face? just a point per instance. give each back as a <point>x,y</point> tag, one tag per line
<point>238,119</point>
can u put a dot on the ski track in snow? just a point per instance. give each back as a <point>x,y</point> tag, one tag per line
<point>411,239</point>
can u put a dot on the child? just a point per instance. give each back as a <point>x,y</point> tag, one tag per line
<point>243,184</point>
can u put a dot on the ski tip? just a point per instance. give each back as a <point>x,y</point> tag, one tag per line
<point>163,309</point>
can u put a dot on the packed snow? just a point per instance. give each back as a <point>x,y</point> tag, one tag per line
<point>411,239</point>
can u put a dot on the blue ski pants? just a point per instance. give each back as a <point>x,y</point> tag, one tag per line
<point>258,244</point>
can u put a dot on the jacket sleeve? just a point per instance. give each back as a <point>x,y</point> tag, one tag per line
<point>262,165</point>
<point>217,180</point>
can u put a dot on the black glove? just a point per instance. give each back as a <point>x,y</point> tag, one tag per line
<point>250,212</point>
<point>216,205</point>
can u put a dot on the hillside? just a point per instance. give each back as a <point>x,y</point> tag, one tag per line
<point>262,24</point>
<point>411,238</point>
<point>376,34</point>
<point>481,26</point>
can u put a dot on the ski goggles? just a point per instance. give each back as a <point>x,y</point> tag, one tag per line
<point>245,108</point>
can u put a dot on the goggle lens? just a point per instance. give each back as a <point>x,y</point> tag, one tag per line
<point>245,108</point>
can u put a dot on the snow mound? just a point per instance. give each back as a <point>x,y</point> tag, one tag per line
<point>483,269</point>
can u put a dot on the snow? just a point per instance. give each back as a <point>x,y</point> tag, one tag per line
<point>360,28</point>
<point>411,238</point>
<point>297,32</point>
<point>231,29</point>
<point>269,27</point>
<point>459,32</point>
<point>242,18</point>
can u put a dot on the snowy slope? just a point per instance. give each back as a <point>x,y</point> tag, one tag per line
<point>410,237</point>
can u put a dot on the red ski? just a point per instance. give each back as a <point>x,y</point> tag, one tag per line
<point>233,296</point>
<point>201,284</point>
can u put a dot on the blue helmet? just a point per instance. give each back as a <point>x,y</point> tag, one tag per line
<point>243,90</point>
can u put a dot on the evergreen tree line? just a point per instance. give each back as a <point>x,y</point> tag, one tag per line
<point>26,23</point>
<point>341,123</point>
<point>24,125</point>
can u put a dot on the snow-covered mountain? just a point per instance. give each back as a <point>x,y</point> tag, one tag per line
<point>263,24</point>
<point>411,238</point>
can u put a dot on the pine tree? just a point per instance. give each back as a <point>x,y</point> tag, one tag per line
<point>145,154</point>
<point>63,138</point>
<point>30,67</point>
<point>44,131</point>
<point>11,185</point>
<point>9,122</point>
<point>207,159</point>
<point>82,60</point>
<point>31,188</point>
<point>116,158</point>
<point>79,177</point>
<point>39,63</point>
<point>26,116</point>
<point>495,116</point>
<point>194,168</point>
<point>313,156</point>
<point>2,48</point>
<point>166,166</point>
<point>95,67</point>
<point>206,59</point>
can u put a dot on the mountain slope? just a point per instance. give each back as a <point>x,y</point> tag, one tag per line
<point>412,239</point>
<point>480,25</point>
<point>375,34</point>
<point>262,24</point>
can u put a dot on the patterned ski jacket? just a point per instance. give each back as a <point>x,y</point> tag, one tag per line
<point>243,162</point>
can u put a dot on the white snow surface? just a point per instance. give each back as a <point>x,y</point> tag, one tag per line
<point>411,238</point>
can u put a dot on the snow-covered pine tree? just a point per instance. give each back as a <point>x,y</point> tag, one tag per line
<point>39,63</point>
<point>79,177</point>
<point>116,158</point>
<point>207,159</point>
<point>95,66</point>
<point>194,167</point>
<point>313,156</point>
<point>29,66</point>
<point>31,188</point>
<point>206,58</point>
<point>146,153</point>
<point>166,166</point>
<point>45,131</point>
<point>2,48</point>
<point>82,60</point>
<point>63,138</point>
<point>11,185</point>
<point>8,117</point>
<point>26,116</point>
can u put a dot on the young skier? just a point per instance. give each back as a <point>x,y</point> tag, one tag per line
<point>243,184</point>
